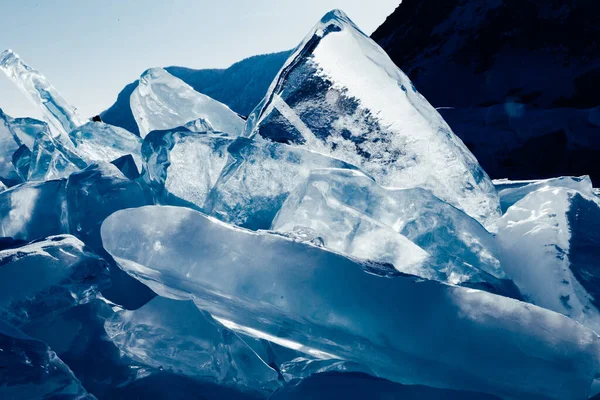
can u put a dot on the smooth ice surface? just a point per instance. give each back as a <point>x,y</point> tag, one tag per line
<point>258,178</point>
<point>353,214</point>
<point>31,370</point>
<point>511,192</point>
<point>48,276</point>
<point>177,336</point>
<point>61,116</point>
<point>97,141</point>
<point>162,101</point>
<point>536,238</point>
<point>340,94</point>
<point>184,163</point>
<point>406,330</point>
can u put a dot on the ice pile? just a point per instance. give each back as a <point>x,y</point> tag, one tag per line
<point>339,93</point>
<point>341,235</point>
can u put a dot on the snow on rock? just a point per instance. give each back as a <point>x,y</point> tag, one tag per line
<point>340,94</point>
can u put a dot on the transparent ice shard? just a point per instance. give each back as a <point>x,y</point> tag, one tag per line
<point>340,94</point>
<point>8,145</point>
<point>162,101</point>
<point>184,163</point>
<point>52,158</point>
<point>34,210</point>
<point>48,276</point>
<point>21,161</point>
<point>176,336</point>
<point>61,116</point>
<point>97,141</point>
<point>31,370</point>
<point>352,214</point>
<point>316,301</point>
<point>258,178</point>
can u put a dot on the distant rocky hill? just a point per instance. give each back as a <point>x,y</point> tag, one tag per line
<point>516,79</point>
<point>240,86</point>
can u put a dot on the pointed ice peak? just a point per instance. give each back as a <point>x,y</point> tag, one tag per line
<point>335,17</point>
<point>161,101</point>
<point>61,115</point>
<point>341,95</point>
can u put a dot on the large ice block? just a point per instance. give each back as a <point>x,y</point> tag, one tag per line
<point>97,141</point>
<point>511,192</point>
<point>34,210</point>
<point>61,116</point>
<point>8,145</point>
<point>77,205</point>
<point>541,256</point>
<point>53,158</point>
<point>353,214</point>
<point>162,101</point>
<point>48,276</point>
<point>184,163</point>
<point>340,94</point>
<point>177,336</point>
<point>404,329</point>
<point>14,134</point>
<point>31,370</point>
<point>258,178</point>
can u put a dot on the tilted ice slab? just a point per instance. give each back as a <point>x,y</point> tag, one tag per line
<point>353,214</point>
<point>324,303</point>
<point>31,370</point>
<point>177,336</point>
<point>14,133</point>
<point>53,158</point>
<point>61,116</point>
<point>76,205</point>
<point>511,192</point>
<point>258,178</point>
<point>162,101</point>
<point>97,141</point>
<point>340,94</point>
<point>536,236</point>
<point>48,276</point>
<point>34,210</point>
<point>184,163</point>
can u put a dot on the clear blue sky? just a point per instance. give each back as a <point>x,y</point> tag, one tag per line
<point>89,49</point>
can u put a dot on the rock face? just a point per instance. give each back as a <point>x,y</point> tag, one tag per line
<point>462,55</point>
